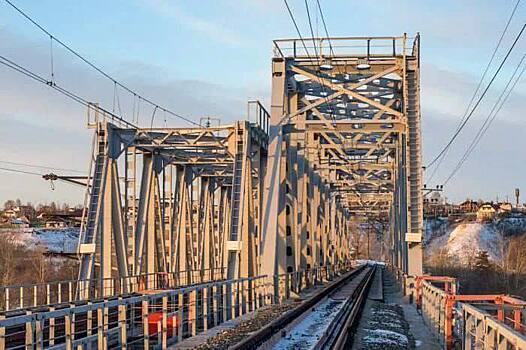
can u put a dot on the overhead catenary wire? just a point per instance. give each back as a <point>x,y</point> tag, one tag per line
<point>479,85</point>
<point>36,166</point>
<point>79,99</point>
<point>325,27</point>
<point>505,94</point>
<point>312,33</point>
<point>303,41</point>
<point>97,68</point>
<point>316,51</point>
<point>479,100</point>
<point>20,171</point>
<point>297,29</point>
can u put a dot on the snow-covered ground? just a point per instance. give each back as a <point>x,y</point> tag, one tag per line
<point>463,240</point>
<point>53,240</point>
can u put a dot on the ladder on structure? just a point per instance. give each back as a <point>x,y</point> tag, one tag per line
<point>131,202</point>
<point>236,185</point>
<point>88,230</point>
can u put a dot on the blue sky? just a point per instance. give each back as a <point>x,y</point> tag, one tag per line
<point>203,58</point>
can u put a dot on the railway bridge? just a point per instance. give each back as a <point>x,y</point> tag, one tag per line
<point>186,229</point>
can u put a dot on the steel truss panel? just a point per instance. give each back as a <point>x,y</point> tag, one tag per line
<point>192,201</point>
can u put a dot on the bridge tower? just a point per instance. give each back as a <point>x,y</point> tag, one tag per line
<point>344,145</point>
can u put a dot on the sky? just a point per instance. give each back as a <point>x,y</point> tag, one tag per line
<point>207,58</point>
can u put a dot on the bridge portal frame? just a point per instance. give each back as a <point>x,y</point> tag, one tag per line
<point>344,144</point>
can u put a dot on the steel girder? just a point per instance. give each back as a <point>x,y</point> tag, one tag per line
<point>192,201</point>
<point>344,142</point>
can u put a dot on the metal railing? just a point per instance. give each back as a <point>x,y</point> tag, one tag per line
<point>13,297</point>
<point>365,47</point>
<point>482,331</point>
<point>258,115</point>
<point>154,318</point>
<point>470,321</point>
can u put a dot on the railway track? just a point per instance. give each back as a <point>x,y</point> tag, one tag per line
<point>323,321</point>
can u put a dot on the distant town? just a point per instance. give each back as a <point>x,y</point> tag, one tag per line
<point>17,215</point>
<point>435,205</point>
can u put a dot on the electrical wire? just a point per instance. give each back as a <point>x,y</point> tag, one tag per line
<point>479,100</point>
<point>312,33</point>
<point>41,166</point>
<point>325,27</point>
<point>316,53</point>
<point>79,99</point>
<point>98,69</point>
<point>514,79</point>
<point>479,85</point>
<point>20,171</point>
<point>297,28</point>
<point>303,41</point>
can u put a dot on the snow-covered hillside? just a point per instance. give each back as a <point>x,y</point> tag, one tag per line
<point>463,240</point>
<point>56,240</point>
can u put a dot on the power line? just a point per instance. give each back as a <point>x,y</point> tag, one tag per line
<point>303,42</point>
<point>312,33</point>
<point>325,26</point>
<point>96,68</point>
<point>479,99</point>
<point>297,28</point>
<point>79,99</point>
<point>514,79</point>
<point>20,171</point>
<point>316,53</point>
<point>486,70</point>
<point>41,166</point>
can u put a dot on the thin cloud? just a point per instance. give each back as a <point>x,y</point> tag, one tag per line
<point>211,30</point>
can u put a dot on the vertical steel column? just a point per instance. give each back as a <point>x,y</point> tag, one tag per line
<point>273,235</point>
<point>415,160</point>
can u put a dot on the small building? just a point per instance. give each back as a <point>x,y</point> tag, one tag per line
<point>9,213</point>
<point>504,207</point>
<point>486,212</point>
<point>468,206</point>
<point>55,223</point>
<point>22,222</point>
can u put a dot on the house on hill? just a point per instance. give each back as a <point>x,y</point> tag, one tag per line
<point>504,207</point>
<point>468,206</point>
<point>487,211</point>
<point>21,222</point>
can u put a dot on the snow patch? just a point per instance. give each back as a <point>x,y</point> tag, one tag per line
<point>384,336</point>
<point>52,240</point>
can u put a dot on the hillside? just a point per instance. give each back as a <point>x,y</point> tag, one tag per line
<point>51,240</point>
<point>462,239</point>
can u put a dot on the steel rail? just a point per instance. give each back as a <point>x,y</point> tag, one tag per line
<point>267,333</point>
<point>337,336</point>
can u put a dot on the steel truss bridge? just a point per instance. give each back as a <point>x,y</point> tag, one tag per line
<point>199,225</point>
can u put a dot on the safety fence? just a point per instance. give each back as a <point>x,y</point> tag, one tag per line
<point>21,296</point>
<point>153,318</point>
<point>470,321</point>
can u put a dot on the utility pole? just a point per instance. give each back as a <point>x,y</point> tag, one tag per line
<point>517,193</point>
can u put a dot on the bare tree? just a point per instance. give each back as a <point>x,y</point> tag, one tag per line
<point>40,265</point>
<point>7,259</point>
